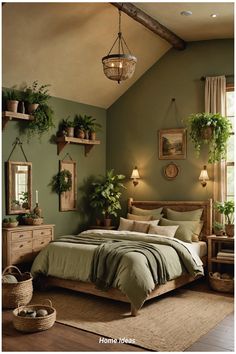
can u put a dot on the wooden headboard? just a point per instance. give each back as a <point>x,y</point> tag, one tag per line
<point>206,205</point>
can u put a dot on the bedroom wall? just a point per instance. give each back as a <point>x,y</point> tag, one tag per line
<point>135,118</point>
<point>45,161</point>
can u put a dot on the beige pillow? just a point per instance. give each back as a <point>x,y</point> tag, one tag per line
<point>155,213</point>
<point>125,225</point>
<point>140,227</point>
<point>186,229</point>
<point>139,217</point>
<point>163,230</point>
<point>192,215</point>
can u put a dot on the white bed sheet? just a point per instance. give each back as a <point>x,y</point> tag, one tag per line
<point>200,248</point>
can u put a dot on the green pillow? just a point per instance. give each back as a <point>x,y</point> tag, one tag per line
<point>193,215</point>
<point>186,229</point>
<point>155,213</point>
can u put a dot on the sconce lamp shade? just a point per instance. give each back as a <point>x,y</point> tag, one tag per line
<point>135,176</point>
<point>204,176</point>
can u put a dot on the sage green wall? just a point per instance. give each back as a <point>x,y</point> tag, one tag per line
<point>135,118</point>
<point>45,161</point>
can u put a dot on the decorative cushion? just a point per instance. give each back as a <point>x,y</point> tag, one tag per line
<point>155,213</point>
<point>139,217</point>
<point>163,230</point>
<point>186,229</point>
<point>140,227</point>
<point>125,225</point>
<point>193,215</point>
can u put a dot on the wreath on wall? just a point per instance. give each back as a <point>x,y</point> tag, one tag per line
<point>62,182</point>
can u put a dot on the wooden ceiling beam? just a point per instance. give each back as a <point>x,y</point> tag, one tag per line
<point>150,23</point>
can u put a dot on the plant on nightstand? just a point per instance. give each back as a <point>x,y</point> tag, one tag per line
<point>227,209</point>
<point>218,228</point>
<point>213,130</point>
<point>106,195</point>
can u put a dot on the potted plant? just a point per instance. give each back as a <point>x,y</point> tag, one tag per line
<point>218,228</point>
<point>42,122</point>
<point>12,99</point>
<point>35,95</point>
<point>211,129</point>
<point>67,127</point>
<point>106,194</point>
<point>15,204</point>
<point>227,209</point>
<point>9,222</point>
<point>79,127</point>
<point>24,200</point>
<point>32,219</point>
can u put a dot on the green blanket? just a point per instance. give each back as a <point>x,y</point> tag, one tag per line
<point>134,274</point>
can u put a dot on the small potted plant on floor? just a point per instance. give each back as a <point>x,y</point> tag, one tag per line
<point>213,130</point>
<point>35,95</point>
<point>106,195</point>
<point>227,209</point>
<point>12,99</point>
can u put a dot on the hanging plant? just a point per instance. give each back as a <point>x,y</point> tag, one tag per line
<point>62,182</point>
<point>211,129</point>
<point>42,121</point>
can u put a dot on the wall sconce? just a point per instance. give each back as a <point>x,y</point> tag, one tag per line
<point>135,176</point>
<point>204,176</point>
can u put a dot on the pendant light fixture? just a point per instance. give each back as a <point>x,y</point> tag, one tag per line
<point>120,66</point>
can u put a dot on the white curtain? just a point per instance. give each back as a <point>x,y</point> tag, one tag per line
<point>215,102</point>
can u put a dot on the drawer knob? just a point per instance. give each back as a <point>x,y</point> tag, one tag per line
<point>21,235</point>
<point>21,246</point>
<point>42,233</point>
<point>42,242</point>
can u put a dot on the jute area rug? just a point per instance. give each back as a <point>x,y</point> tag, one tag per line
<point>172,322</point>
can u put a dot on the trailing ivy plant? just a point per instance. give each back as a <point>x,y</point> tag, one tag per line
<point>217,142</point>
<point>62,182</point>
<point>36,93</point>
<point>42,121</point>
<point>106,194</point>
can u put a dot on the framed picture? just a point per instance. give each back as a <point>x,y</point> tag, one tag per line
<point>172,144</point>
<point>68,199</point>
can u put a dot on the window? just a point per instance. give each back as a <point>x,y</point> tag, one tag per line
<point>230,113</point>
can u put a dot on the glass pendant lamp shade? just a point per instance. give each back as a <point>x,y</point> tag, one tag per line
<point>119,66</point>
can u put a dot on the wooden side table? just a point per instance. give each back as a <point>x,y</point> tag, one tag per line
<point>214,245</point>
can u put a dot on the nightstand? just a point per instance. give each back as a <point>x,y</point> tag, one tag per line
<point>214,246</point>
<point>21,244</point>
<point>101,227</point>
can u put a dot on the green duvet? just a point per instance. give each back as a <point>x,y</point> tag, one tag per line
<point>77,258</point>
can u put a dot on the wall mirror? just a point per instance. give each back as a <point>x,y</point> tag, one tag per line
<point>19,187</point>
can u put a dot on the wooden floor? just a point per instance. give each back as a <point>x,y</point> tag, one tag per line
<point>65,338</point>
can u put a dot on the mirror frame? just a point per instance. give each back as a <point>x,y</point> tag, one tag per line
<point>9,191</point>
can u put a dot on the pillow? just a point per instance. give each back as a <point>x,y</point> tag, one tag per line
<point>140,227</point>
<point>186,229</point>
<point>193,215</point>
<point>155,213</point>
<point>139,217</point>
<point>163,230</point>
<point>125,225</point>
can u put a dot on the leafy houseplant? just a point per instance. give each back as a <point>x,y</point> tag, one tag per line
<point>9,222</point>
<point>86,124</point>
<point>67,127</point>
<point>32,219</point>
<point>227,209</point>
<point>24,200</point>
<point>211,129</point>
<point>62,182</point>
<point>42,122</point>
<point>106,195</point>
<point>218,229</point>
<point>12,99</point>
<point>35,95</point>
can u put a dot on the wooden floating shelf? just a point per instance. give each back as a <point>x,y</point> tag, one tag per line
<point>64,140</point>
<point>7,115</point>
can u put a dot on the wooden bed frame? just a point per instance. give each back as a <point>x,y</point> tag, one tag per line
<point>116,294</point>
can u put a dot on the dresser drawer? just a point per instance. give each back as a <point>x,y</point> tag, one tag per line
<point>41,242</point>
<point>21,258</point>
<point>21,246</point>
<point>42,232</point>
<point>21,235</point>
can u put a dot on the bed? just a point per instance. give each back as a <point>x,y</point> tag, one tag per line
<point>48,279</point>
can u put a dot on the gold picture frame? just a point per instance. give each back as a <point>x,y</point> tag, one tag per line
<point>172,144</point>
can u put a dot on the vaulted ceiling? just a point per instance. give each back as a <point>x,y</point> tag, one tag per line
<point>63,43</point>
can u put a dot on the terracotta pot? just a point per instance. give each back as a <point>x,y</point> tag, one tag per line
<point>31,107</point>
<point>79,133</point>
<point>93,135</point>
<point>107,222</point>
<point>207,133</point>
<point>229,230</point>
<point>70,132</point>
<point>12,105</point>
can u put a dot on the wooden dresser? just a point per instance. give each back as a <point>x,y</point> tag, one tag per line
<point>21,244</point>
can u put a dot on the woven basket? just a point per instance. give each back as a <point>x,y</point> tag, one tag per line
<point>36,324</point>
<point>15,293</point>
<point>223,285</point>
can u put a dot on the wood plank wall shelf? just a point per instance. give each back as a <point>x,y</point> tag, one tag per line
<point>7,115</point>
<point>62,141</point>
